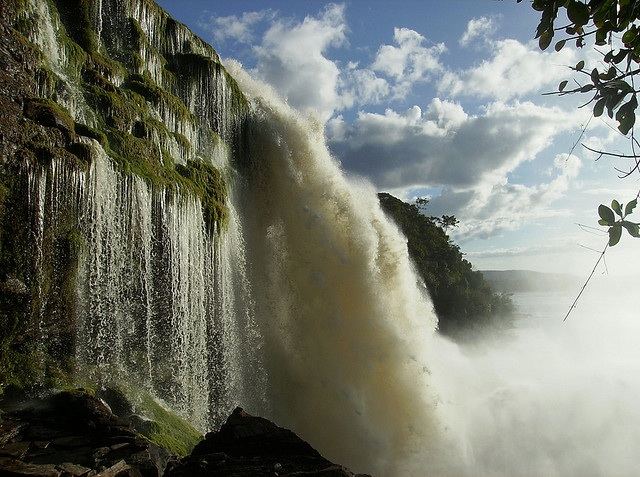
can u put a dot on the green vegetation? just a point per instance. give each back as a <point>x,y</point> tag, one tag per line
<point>149,417</point>
<point>167,429</point>
<point>610,83</point>
<point>206,182</point>
<point>49,113</point>
<point>608,219</point>
<point>462,298</point>
<point>123,118</point>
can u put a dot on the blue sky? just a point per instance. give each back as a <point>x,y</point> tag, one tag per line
<point>441,99</point>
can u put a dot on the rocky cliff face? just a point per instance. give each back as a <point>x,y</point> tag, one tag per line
<point>118,141</point>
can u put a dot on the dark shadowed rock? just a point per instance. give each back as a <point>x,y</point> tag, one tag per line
<point>249,446</point>
<point>75,434</point>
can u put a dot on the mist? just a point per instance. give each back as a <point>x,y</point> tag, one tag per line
<point>551,398</point>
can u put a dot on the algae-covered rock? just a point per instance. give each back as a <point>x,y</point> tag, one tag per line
<point>73,433</point>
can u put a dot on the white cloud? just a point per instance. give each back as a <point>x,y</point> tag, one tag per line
<point>478,29</point>
<point>236,27</point>
<point>409,61</point>
<point>469,157</point>
<point>505,206</point>
<point>446,147</point>
<point>514,70</point>
<point>292,58</point>
<point>363,86</point>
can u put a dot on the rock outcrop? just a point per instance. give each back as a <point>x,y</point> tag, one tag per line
<point>247,445</point>
<point>75,434</point>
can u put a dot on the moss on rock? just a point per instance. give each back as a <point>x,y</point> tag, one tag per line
<point>207,183</point>
<point>168,430</point>
<point>49,113</point>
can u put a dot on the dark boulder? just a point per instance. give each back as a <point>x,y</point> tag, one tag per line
<point>249,446</point>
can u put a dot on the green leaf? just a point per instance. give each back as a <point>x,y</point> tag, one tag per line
<point>630,206</point>
<point>606,214</point>
<point>603,222</point>
<point>598,109</point>
<point>626,123</point>
<point>562,85</point>
<point>578,13</point>
<point>617,208</point>
<point>580,65</point>
<point>629,36</point>
<point>610,74</point>
<point>633,229</point>
<point>618,57</point>
<point>615,233</point>
<point>545,39</point>
<point>560,45</point>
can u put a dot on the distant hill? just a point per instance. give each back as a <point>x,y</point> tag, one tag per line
<point>463,299</point>
<point>512,281</point>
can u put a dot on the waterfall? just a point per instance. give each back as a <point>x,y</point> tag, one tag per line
<point>159,296</point>
<point>304,308</point>
<point>349,329</point>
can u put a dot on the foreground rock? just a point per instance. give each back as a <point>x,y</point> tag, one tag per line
<point>73,434</point>
<point>250,446</point>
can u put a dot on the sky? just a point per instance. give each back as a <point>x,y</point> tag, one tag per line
<point>443,100</point>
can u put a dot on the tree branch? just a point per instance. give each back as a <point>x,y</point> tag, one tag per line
<point>573,305</point>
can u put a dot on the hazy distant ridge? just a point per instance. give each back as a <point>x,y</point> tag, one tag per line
<point>511,281</point>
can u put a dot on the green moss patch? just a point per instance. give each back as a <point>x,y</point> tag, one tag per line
<point>150,417</point>
<point>167,429</point>
<point>50,114</point>
<point>87,131</point>
<point>206,182</point>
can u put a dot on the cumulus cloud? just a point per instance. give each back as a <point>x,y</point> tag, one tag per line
<point>469,157</point>
<point>409,60</point>
<point>292,58</point>
<point>478,30</point>
<point>444,146</point>
<point>236,27</point>
<point>504,206</point>
<point>362,86</point>
<point>514,70</point>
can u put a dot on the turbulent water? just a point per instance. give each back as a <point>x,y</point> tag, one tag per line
<point>347,327</point>
<point>356,367</point>
<point>307,310</point>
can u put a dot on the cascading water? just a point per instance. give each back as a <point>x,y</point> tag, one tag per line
<point>158,294</point>
<point>348,328</point>
<point>322,325</point>
<point>304,308</point>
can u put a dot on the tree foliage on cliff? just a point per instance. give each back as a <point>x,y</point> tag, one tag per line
<point>462,298</point>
